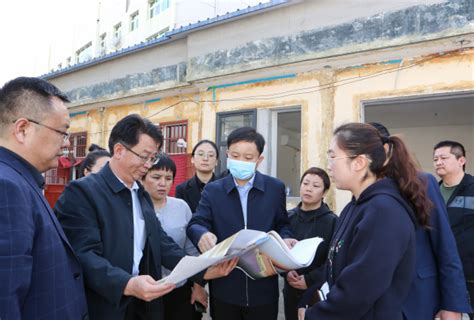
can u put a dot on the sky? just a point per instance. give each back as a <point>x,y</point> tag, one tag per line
<point>34,32</point>
<point>27,29</point>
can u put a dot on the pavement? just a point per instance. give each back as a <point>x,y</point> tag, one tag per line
<point>281,314</point>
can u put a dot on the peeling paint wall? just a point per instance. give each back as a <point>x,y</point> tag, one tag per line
<point>325,97</point>
<point>307,66</point>
<point>220,51</point>
<point>367,33</point>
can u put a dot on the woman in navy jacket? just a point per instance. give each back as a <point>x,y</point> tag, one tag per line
<point>371,258</point>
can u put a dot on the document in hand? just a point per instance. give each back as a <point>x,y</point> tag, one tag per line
<point>260,255</point>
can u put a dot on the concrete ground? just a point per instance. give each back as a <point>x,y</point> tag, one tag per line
<point>281,315</point>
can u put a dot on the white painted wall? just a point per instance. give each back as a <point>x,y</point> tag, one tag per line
<point>421,141</point>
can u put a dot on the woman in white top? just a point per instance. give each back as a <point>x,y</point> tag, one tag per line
<point>174,215</point>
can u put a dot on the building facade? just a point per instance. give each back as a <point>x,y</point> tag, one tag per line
<point>102,27</point>
<point>294,70</point>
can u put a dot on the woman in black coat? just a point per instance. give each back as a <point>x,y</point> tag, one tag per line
<point>311,218</point>
<point>204,159</point>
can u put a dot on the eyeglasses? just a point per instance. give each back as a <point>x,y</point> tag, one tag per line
<point>65,134</point>
<point>202,154</point>
<point>150,159</point>
<point>332,158</point>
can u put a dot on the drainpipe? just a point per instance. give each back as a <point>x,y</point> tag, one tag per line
<point>103,134</point>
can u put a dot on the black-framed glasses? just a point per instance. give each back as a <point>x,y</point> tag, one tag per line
<point>151,159</point>
<point>65,134</point>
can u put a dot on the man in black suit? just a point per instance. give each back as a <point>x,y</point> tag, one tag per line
<point>110,221</point>
<point>40,276</point>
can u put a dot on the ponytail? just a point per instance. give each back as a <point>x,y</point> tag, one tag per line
<point>402,168</point>
<point>396,163</point>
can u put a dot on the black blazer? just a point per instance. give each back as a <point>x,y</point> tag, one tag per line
<point>190,193</point>
<point>96,214</point>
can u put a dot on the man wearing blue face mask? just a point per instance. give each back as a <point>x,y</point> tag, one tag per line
<point>243,199</point>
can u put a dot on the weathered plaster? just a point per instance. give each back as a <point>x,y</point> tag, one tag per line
<point>405,26</point>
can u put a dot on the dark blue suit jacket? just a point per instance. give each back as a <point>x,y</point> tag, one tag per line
<point>220,212</point>
<point>40,277</point>
<point>439,279</point>
<point>97,216</point>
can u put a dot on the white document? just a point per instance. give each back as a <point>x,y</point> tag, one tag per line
<point>261,255</point>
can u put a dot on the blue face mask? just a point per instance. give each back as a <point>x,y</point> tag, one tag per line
<point>241,170</point>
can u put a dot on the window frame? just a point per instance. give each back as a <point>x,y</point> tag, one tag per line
<point>223,144</point>
<point>164,126</point>
<point>134,21</point>
<point>117,34</point>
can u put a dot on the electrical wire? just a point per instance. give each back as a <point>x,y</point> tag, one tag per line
<point>300,91</point>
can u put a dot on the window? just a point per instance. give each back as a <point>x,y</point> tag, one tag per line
<point>118,35</point>
<point>103,44</point>
<point>158,34</point>
<point>172,133</point>
<point>158,6</point>
<point>286,149</point>
<point>84,53</point>
<point>134,21</point>
<point>78,145</point>
<point>72,158</point>
<point>226,123</point>
<point>77,151</point>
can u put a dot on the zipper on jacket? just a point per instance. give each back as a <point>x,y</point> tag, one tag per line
<point>246,278</point>
<point>247,289</point>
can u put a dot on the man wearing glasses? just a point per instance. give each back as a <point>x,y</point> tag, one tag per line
<point>40,276</point>
<point>111,223</point>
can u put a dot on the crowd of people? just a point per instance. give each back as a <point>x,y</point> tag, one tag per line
<point>402,248</point>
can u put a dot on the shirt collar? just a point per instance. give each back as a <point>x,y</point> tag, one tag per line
<point>37,176</point>
<point>134,187</point>
<point>249,183</point>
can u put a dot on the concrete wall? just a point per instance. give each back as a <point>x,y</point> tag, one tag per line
<point>330,91</point>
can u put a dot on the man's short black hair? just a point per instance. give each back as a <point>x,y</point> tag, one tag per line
<point>247,134</point>
<point>27,97</point>
<point>128,130</point>
<point>456,148</point>
<point>164,163</point>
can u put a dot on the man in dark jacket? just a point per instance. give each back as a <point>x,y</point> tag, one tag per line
<point>244,199</point>
<point>40,276</point>
<point>438,289</point>
<point>111,223</point>
<point>457,188</point>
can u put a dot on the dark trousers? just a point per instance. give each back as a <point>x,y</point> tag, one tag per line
<point>291,297</point>
<point>470,289</point>
<point>139,309</point>
<point>177,305</point>
<point>226,311</point>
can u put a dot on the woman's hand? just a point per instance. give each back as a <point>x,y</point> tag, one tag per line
<point>301,313</point>
<point>296,281</point>
<point>199,294</point>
